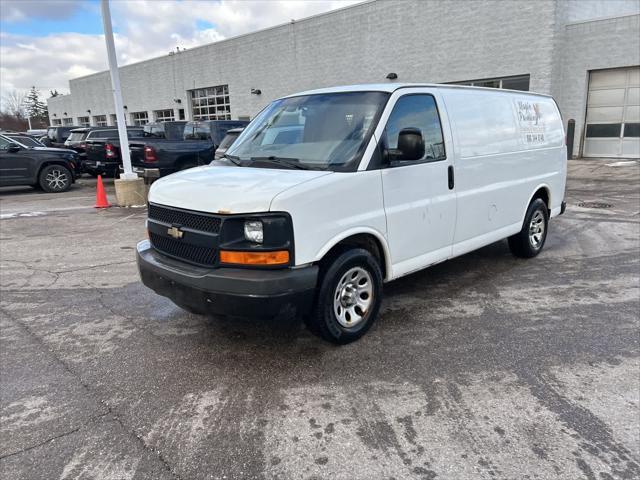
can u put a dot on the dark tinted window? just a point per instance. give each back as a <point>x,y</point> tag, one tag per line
<point>4,143</point>
<point>104,134</point>
<point>153,131</point>
<point>421,112</point>
<point>26,141</point>
<point>135,133</point>
<point>516,83</point>
<point>632,130</point>
<point>173,131</point>
<point>603,130</point>
<point>197,131</point>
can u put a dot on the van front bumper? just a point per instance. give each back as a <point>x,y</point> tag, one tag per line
<point>228,291</point>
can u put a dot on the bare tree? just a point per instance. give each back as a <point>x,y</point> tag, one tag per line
<point>13,103</point>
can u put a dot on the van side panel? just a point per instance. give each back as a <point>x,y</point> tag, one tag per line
<point>332,207</point>
<point>507,146</point>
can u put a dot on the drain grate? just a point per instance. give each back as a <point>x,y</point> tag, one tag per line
<point>594,205</point>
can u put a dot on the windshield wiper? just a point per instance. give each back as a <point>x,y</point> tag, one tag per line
<point>289,162</point>
<point>234,159</point>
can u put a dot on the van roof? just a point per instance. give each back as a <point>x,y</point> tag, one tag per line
<point>392,87</point>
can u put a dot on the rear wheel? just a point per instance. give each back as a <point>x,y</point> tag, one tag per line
<point>349,297</point>
<point>55,178</point>
<point>529,241</point>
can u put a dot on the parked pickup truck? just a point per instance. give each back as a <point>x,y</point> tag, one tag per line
<point>196,147</point>
<point>103,150</point>
<point>165,130</point>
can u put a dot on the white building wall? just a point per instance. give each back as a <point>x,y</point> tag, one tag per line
<point>593,45</point>
<point>420,40</point>
<point>58,105</point>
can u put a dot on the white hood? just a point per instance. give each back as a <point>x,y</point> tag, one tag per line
<point>218,189</point>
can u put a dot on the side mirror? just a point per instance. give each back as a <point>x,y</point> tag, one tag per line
<point>13,148</point>
<point>410,144</point>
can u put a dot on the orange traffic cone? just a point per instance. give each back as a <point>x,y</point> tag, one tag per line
<point>101,195</point>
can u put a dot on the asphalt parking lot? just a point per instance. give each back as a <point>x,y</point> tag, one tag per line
<point>484,367</point>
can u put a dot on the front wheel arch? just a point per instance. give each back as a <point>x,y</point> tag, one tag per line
<point>369,240</point>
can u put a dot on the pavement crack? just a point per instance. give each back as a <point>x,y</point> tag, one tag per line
<point>93,394</point>
<point>56,437</point>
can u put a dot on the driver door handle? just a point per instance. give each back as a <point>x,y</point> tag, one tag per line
<point>451,180</point>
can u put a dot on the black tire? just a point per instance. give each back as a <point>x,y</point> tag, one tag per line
<point>324,321</point>
<point>525,244</point>
<point>55,179</point>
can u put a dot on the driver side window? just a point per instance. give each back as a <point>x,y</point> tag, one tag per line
<point>4,144</point>
<point>417,112</point>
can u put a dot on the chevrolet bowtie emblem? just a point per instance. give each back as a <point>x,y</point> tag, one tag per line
<point>175,232</point>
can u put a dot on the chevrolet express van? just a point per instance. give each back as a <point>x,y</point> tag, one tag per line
<point>328,194</point>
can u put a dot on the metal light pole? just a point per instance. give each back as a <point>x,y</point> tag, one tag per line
<point>117,93</point>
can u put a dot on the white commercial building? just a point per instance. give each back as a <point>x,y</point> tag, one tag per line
<point>586,53</point>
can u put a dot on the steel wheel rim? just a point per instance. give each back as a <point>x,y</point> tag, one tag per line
<point>56,179</point>
<point>353,297</point>
<point>536,229</point>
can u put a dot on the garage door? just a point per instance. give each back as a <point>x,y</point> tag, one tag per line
<point>613,114</point>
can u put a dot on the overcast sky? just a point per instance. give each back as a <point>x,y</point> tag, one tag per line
<point>47,42</point>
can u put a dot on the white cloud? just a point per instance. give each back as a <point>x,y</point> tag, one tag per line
<point>18,10</point>
<point>146,28</point>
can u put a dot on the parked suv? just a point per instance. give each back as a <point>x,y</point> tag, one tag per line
<point>77,141</point>
<point>22,163</point>
<point>196,147</point>
<point>370,183</point>
<point>57,135</point>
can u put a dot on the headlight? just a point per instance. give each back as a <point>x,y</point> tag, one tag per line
<point>253,231</point>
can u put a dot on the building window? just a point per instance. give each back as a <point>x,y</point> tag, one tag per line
<point>140,118</point>
<point>67,121</point>
<point>520,82</point>
<point>56,121</point>
<point>164,115</point>
<point>606,130</point>
<point>211,103</point>
<point>100,120</point>
<point>181,114</point>
<point>84,121</point>
<point>114,119</point>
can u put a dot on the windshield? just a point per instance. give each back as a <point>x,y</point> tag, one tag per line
<point>325,131</point>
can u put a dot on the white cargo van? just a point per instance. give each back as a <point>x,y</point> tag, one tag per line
<point>330,193</point>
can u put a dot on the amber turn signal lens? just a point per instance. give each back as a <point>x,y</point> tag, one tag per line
<point>279,257</point>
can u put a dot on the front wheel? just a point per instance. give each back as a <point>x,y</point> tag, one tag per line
<point>55,178</point>
<point>349,297</point>
<point>529,241</point>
